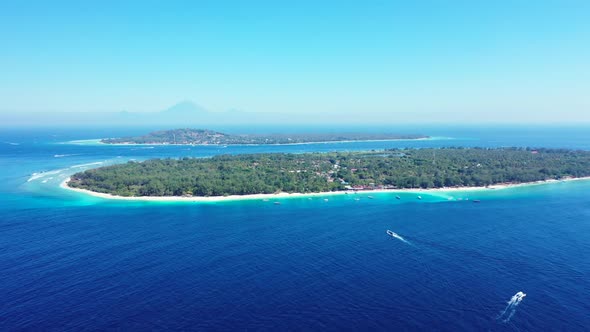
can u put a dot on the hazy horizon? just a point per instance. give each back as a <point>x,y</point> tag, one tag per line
<point>71,63</point>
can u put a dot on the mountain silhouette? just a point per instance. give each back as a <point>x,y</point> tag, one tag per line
<point>185,108</point>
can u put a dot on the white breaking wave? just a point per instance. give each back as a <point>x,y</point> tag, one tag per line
<point>89,164</point>
<point>397,236</point>
<point>40,175</point>
<point>48,179</point>
<point>510,309</point>
<point>57,172</point>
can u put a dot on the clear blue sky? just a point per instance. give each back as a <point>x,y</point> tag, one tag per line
<point>412,60</point>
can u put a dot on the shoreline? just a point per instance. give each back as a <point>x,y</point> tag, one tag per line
<point>64,185</point>
<point>98,141</point>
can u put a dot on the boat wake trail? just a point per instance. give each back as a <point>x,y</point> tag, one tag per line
<point>510,309</point>
<point>397,236</point>
<point>65,155</point>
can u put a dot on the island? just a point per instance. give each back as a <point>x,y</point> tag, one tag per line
<point>269,173</point>
<point>188,136</point>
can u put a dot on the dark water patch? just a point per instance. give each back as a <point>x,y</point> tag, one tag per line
<point>72,263</point>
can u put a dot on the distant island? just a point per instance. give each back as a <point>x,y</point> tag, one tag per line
<point>187,136</point>
<point>270,173</point>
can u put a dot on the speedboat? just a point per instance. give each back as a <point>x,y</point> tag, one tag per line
<point>397,197</point>
<point>419,197</point>
<point>395,235</point>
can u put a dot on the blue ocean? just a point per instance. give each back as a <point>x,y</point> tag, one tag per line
<point>517,261</point>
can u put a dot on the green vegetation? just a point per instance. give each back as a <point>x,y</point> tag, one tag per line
<point>205,136</point>
<point>318,172</point>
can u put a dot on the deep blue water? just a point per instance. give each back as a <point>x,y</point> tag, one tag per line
<point>72,262</point>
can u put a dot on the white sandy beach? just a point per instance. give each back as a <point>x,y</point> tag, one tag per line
<point>64,185</point>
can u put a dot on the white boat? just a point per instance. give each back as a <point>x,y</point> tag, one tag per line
<point>395,235</point>
<point>419,197</point>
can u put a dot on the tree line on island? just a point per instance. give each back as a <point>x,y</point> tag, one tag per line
<point>206,137</point>
<point>322,172</point>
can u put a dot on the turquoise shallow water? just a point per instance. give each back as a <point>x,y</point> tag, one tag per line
<point>74,262</point>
